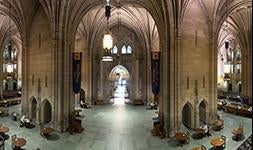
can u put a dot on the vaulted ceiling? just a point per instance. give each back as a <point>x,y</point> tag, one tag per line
<point>134,14</point>
<point>136,18</point>
<point>238,26</point>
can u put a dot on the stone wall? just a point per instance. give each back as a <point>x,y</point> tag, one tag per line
<point>194,74</point>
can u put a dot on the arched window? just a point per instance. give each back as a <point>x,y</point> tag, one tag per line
<point>14,54</point>
<point>129,49</point>
<point>6,54</point>
<point>115,50</point>
<point>123,49</point>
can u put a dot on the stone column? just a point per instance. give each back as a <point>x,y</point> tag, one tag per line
<point>1,73</point>
<point>137,80</point>
<point>101,81</point>
<point>149,78</point>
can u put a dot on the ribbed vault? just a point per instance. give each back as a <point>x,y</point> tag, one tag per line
<point>134,17</point>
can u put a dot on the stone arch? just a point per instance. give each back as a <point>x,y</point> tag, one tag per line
<point>187,115</point>
<point>46,112</point>
<point>33,108</point>
<point>203,111</point>
<point>113,74</point>
<point>82,95</point>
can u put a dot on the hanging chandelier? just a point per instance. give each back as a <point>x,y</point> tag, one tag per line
<point>9,65</point>
<point>107,39</point>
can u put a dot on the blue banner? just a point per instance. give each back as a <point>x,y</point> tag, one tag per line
<point>155,67</point>
<point>77,61</point>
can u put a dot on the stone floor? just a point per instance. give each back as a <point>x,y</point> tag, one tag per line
<point>117,127</point>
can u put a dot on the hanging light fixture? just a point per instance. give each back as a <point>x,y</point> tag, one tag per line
<point>107,39</point>
<point>226,44</point>
<point>9,65</point>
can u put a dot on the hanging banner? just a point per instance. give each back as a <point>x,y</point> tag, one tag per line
<point>76,74</point>
<point>155,67</point>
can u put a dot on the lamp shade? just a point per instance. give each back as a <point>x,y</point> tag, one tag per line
<point>107,58</point>
<point>107,41</point>
<point>9,68</point>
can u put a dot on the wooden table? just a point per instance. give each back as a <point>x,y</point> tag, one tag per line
<point>217,142</point>
<point>218,124</point>
<point>196,148</point>
<point>46,131</point>
<point>181,137</point>
<point>2,110</point>
<point>19,142</point>
<point>77,111</point>
<point>4,129</point>
<point>237,132</point>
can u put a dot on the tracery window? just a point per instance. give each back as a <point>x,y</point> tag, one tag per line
<point>123,49</point>
<point>114,49</point>
<point>129,49</point>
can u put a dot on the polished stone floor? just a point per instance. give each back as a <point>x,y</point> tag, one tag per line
<point>117,127</point>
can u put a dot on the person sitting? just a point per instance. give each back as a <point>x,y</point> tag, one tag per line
<point>250,109</point>
<point>205,128</point>
<point>153,105</point>
<point>22,121</point>
<point>82,104</point>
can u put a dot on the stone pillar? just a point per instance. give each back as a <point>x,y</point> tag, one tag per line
<point>25,77</point>
<point>149,78</point>
<point>247,76</point>
<point>38,111</point>
<point>137,80</point>
<point>1,73</point>
<point>101,81</point>
<point>212,76</point>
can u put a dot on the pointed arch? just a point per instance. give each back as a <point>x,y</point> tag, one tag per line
<point>203,111</point>
<point>117,71</point>
<point>123,49</point>
<point>46,111</point>
<point>33,108</point>
<point>187,115</point>
<point>115,49</point>
<point>129,49</point>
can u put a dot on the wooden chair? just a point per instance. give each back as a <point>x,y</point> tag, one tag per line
<point>224,138</point>
<point>203,147</point>
<point>12,138</point>
<point>188,134</point>
<point>222,126</point>
<point>241,127</point>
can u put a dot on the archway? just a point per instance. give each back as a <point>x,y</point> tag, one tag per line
<point>131,49</point>
<point>187,115</point>
<point>47,112</point>
<point>10,57</point>
<point>120,76</point>
<point>233,49</point>
<point>33,108</point>
<point>82,95</point>
<point>203,112</point>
